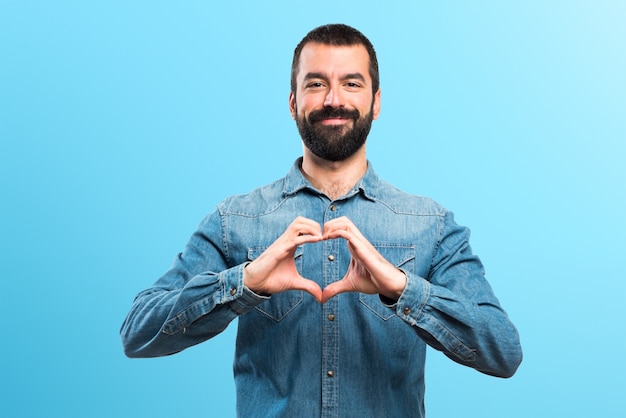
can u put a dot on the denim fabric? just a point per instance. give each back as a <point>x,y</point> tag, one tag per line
<point>355,356</point>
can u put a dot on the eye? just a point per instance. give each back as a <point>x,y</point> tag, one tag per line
<point>314,84</point>
<point>353,85</point>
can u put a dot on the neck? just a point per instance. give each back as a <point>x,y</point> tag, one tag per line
<point>334,178</point>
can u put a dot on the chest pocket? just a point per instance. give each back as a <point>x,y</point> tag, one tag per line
<point>280,304</point>
<point>401,256</point>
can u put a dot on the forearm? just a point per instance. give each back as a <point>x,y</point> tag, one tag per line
<point>475,332</point>
<point>164,320</point>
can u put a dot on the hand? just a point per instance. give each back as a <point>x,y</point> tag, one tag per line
<point>275,271</point>
<point>369,272</point>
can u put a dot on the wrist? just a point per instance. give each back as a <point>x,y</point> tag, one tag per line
<point>394,293</point>
<point>249,283</point>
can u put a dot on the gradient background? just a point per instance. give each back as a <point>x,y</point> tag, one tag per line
<point>123,122</point>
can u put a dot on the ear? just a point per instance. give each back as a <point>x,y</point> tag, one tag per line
<point>376,105</point>
<point>292,105</point>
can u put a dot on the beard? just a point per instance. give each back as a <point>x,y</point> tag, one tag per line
<point>334,142</point>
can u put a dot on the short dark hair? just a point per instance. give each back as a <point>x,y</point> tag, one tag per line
<point>336,35</point>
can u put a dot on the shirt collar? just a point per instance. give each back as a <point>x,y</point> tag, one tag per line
<point>295,181</point>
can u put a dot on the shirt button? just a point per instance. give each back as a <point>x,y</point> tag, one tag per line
<point>330,373</point>
<point>332,208</point>
<point>233,291</point>
<point>407,311</point>
<point>331,258</point>
<point>331,317</point>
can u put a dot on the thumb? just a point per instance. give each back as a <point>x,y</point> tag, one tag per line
<point>311,287</point>
<point>336,288</point>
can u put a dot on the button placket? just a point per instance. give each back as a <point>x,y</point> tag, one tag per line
<point>330,330</point>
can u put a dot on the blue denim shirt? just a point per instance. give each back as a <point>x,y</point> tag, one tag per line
<point>356,355</point>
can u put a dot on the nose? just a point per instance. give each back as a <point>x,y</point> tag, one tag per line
<point>333,98</point>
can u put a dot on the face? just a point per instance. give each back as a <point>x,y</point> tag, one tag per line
<point>333,105</point>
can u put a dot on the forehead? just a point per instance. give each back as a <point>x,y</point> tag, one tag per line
<point>333,60</point>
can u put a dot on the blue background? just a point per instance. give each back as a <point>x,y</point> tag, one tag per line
<point>123,123</point>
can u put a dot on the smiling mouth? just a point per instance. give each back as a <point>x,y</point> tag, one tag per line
<point>334,121</point>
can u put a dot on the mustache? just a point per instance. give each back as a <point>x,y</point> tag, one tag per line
<point>329,112</point>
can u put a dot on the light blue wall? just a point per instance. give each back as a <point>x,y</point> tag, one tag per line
<point>123,123</point>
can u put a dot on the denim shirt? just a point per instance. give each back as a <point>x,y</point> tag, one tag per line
<point>357,355</point>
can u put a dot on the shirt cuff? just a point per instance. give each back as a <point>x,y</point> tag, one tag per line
<point>412,300</point>
<point>237,295</point>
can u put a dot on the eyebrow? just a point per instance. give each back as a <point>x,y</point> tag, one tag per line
<point>348,76</point>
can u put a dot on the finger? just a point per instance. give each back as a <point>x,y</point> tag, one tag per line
<point>301,221</point>
<point>309,286</point>
<point>304,239</point>
<point>338,233</point>
<point>341,228</point>
<point>302,226</point>
<point>358,245</point>
<point>300,231</point>
<point>333,289</point>
<point>342,222</point>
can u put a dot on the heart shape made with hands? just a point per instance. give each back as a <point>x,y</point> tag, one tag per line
<point>369,272</point>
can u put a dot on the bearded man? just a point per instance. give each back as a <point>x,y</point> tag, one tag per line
<point>339,280</point>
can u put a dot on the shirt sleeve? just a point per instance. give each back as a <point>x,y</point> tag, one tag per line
<point>193,301</point>
<point>455,311</point>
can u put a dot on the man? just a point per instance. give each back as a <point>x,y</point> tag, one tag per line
<point>338,279</point>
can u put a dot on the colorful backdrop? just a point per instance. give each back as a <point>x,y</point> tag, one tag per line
<point>123,122</point>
